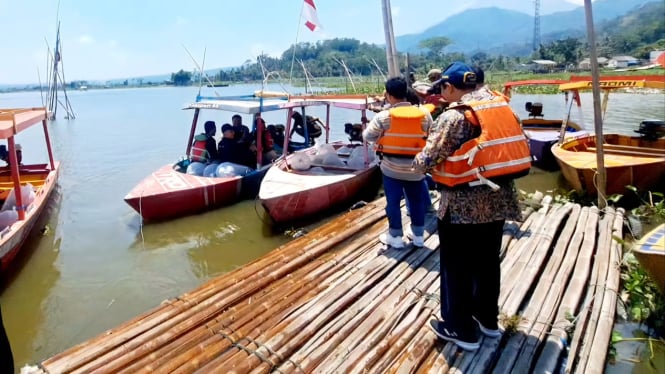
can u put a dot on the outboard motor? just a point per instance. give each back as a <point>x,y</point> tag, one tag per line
<point>534,109</point>
<point>651,129</point>
<point>355,131</point>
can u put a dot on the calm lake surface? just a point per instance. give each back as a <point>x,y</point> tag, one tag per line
<point>96,266</point>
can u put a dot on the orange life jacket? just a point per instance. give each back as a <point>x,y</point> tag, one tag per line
<point>405,137</point>
<point>501,150</point>
<point>199,152</point>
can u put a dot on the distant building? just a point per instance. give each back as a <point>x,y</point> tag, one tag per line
<point>541,66</point>
<point>653,55</point>
<point>622,62</point>
<point>586,63</point>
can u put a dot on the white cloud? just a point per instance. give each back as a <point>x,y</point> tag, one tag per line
<point>85,39</point>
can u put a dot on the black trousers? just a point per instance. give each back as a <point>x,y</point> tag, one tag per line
<point>6,358</point>
<point>470,275</point>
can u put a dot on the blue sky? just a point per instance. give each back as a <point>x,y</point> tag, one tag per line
<point>127,38</point>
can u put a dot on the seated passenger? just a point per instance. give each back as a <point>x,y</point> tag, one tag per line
<point>230,150</point>
<point>204,148</point>
<point>277,134</point>
<point>241,131</point>
<point>267,143</point>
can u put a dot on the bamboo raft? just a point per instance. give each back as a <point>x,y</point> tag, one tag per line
<point>335,300</point>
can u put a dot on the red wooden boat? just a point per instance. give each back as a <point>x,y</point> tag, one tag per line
<point>36,182</point>
<point>288,194</point>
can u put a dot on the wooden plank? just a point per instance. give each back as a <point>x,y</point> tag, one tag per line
<point>628,152</point>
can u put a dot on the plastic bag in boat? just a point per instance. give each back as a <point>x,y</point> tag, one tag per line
<point>27,197</point>
<point>196,168</point>
<point>322,150</point>
<point>7,217</point>
<point>210,170</point>
<point>357,158</point>
<point>300,161</point>
<point>229,169</point>
<point>331,159</point>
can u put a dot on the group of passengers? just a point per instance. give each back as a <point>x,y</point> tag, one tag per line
<point>236,151</point>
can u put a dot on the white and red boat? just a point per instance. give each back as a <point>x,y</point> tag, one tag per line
<point>169,193</point>
<point>288,194</point>
<point>35,182</point>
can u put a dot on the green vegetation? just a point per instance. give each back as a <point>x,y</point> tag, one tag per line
<point>636,33</point>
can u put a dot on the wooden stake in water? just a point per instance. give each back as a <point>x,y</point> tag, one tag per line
<point>597,113</point>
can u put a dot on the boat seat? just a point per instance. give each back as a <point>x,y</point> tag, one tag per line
<point>630,151</point>
<point>634,148</point>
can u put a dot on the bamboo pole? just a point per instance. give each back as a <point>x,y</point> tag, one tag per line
<point>602,337</point>
<point>554,345</point>
<point>580,280</point>
<point>601,266</point>
<point>597,113</point>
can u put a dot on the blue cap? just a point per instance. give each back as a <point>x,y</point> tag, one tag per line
<point>459,74</point>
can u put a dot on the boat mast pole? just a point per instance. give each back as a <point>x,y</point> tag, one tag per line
<point>597,113</point>
<point>393,70</point>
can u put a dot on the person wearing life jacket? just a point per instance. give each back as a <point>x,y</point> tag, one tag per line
<point>474,152</point>
<point>204,148</point>
<point>267,142</point>
<point>399,133</point>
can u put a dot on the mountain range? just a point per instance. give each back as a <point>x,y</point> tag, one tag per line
<point>510,32</point>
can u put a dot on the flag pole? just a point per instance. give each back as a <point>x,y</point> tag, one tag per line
<point>597,114</point>
<point>295,45</point>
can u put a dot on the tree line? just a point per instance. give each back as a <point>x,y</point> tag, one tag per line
<point>636,34</point>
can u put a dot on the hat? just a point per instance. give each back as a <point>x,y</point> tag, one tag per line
<point>227,127</point>
<point>433,72</point>
<point>459,75</point>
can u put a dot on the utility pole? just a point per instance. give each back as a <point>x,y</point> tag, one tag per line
<point>536,25</point>
<point>391,52</point>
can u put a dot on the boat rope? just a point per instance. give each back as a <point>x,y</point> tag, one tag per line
<point>141,220</point>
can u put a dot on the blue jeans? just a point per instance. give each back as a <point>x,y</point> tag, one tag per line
<point>414,191</point>
<point>427,198</point>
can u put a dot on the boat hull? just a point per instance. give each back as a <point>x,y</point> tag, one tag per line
<point>629,160</point>
<point>13,237</point>
<point>289,195</point>
<point>167,194</point>
<point>650,252</point>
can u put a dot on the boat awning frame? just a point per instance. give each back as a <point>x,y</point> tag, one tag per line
<point>15,120</point>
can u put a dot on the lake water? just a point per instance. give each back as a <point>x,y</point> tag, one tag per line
<point>97,266</point>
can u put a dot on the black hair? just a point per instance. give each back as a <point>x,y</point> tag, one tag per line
<point>412,96</point>
<point>397,87</point>
<point>236,115</point>
<point>480,75</point>
<point>209,125</point>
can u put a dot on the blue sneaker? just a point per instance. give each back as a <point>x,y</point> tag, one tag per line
<point>449,335</point>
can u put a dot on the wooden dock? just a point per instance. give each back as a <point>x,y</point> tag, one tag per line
<point>336,301</point>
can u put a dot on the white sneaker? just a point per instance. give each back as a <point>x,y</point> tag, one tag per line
<point>418,241</point>
<point>393,241</point>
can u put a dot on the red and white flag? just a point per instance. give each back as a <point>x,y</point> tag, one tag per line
<point>311,20</point>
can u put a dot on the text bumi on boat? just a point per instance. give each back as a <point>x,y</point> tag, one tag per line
<point>329,174</point>
<point>20,211</point>
<point>637,161</point>
<point>543,132</point>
